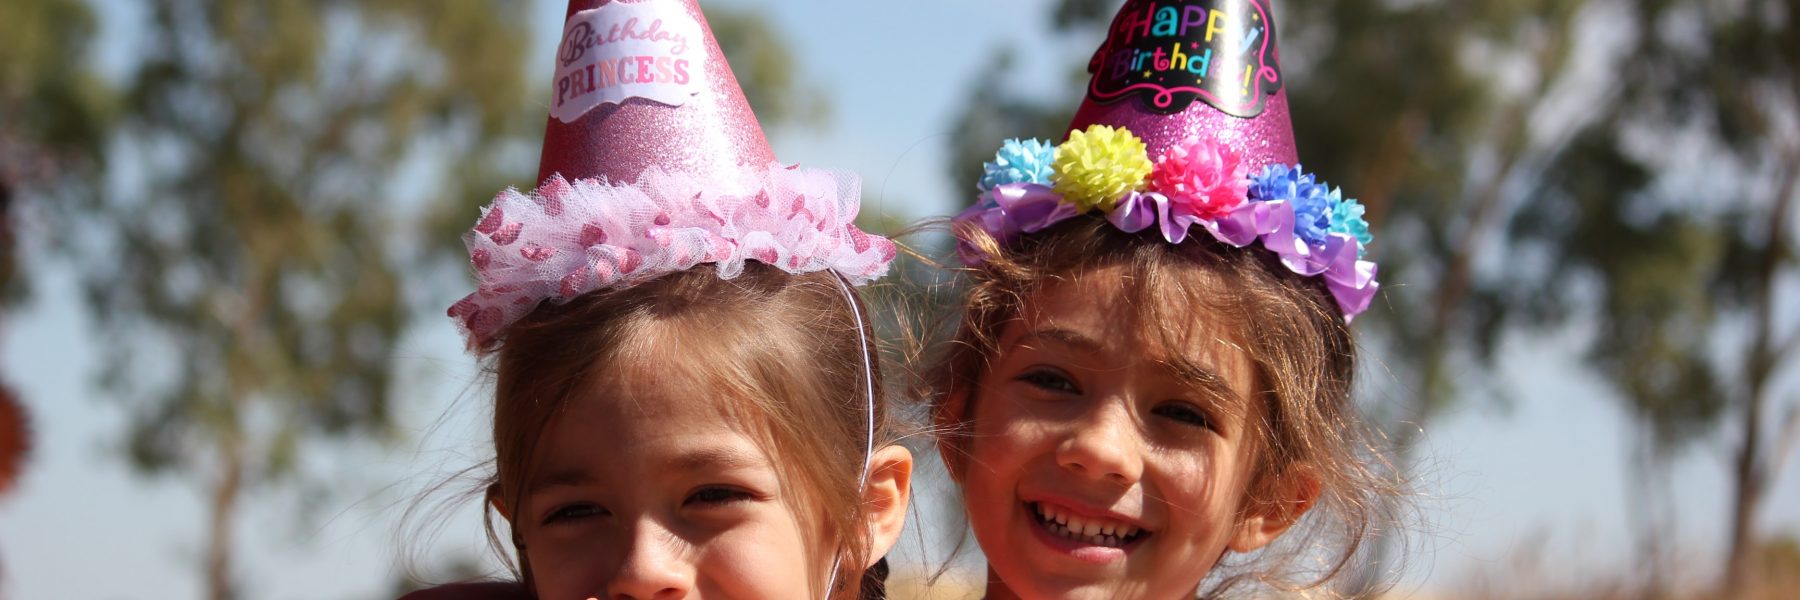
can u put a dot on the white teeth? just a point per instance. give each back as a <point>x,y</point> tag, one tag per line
<point>1096,532</point>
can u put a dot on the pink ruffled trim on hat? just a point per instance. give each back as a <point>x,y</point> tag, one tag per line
<point>566,239</point>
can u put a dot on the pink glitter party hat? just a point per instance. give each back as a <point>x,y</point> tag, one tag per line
<point>1176,71</point>
<point>607,121</point>
<point>653,163</point>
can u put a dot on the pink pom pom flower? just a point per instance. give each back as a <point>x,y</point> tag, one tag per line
<point>1206,179</point>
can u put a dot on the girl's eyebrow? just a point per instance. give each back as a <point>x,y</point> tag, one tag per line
<point>576,477</point>
<point>715,458</point>
<point>1067,337</point>
<point>704,459</point>
<point>1199,377</point>
<point>1191,374</point>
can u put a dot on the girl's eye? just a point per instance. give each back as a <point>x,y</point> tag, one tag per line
<point>1183,413</point>
<point>1050,380</point>
<point>717,496</point>
<point>574,512</point>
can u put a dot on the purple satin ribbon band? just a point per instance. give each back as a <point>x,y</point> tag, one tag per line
<point>1010,210</point>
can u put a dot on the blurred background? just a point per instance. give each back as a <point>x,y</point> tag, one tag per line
<point>228,231</point>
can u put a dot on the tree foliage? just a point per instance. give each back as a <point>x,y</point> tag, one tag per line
<point>53,117</point>
<point>1671,225</point>
<point>248,269</point>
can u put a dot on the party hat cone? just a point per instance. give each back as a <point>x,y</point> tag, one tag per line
<point>1175,71</point>
<point>653,163</point>
<point>642,84</point>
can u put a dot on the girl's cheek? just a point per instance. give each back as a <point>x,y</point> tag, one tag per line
<point>764,556</point>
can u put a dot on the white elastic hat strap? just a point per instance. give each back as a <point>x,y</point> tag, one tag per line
<point>862,336</point>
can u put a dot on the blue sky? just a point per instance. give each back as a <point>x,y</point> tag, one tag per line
<point>1537,479</point>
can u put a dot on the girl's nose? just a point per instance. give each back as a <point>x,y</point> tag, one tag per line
<point>1104,446</point>
<point>651,567</point>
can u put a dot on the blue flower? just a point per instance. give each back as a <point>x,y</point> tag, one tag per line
<point>1313,200</point>
<point>1278,182</point>
<point>1019,161</point>
<point>1347,219</point>
<point>1312,212</point>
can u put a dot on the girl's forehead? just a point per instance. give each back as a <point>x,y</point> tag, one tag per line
<point>674,391</point>
<point>1108,304</point>
<point>663,419</point>
<point>1103,318</point>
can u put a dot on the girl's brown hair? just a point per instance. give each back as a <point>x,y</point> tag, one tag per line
<point>788,349</point>
<point>1303,357</point>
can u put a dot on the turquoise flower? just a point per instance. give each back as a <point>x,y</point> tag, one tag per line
<point>1019,161</point>
<point>1347,219</point>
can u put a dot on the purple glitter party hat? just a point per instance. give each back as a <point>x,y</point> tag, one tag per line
<point>1184,129</point>
<point>1176,71</point>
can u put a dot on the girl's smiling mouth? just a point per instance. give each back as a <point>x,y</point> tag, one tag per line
<point>1086,537</point>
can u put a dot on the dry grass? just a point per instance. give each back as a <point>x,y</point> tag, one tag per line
<point>945,589</point>
<point>1777,578</point>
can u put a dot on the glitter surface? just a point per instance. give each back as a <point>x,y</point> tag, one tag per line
<point>1262,140</point>
<point>710,136</point>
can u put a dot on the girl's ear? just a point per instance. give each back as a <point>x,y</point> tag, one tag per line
<point>886,496</point>
<point>1267,518</point>
<point>499,503</point>
<point>950,422</point>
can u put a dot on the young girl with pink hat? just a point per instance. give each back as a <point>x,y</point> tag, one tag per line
<point>685,380</point>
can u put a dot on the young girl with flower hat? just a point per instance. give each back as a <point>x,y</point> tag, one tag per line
<point>1150,383</point>
<point>685,380</point>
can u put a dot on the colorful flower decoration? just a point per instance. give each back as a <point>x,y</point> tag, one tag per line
<point>1312,213</point>
<point>1019,161</point>
<point>1207,178</point>
<point>1347,219</point>
<point>1097,167</point>
<point>1205,185</point>
<point>1279,182</point>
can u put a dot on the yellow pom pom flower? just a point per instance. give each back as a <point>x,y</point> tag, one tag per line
<point>1096,167</point>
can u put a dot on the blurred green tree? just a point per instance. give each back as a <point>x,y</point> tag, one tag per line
<point>53,116</point>
<point>1673,217</point>
<point>53,112</point>
<point>247,267</point>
